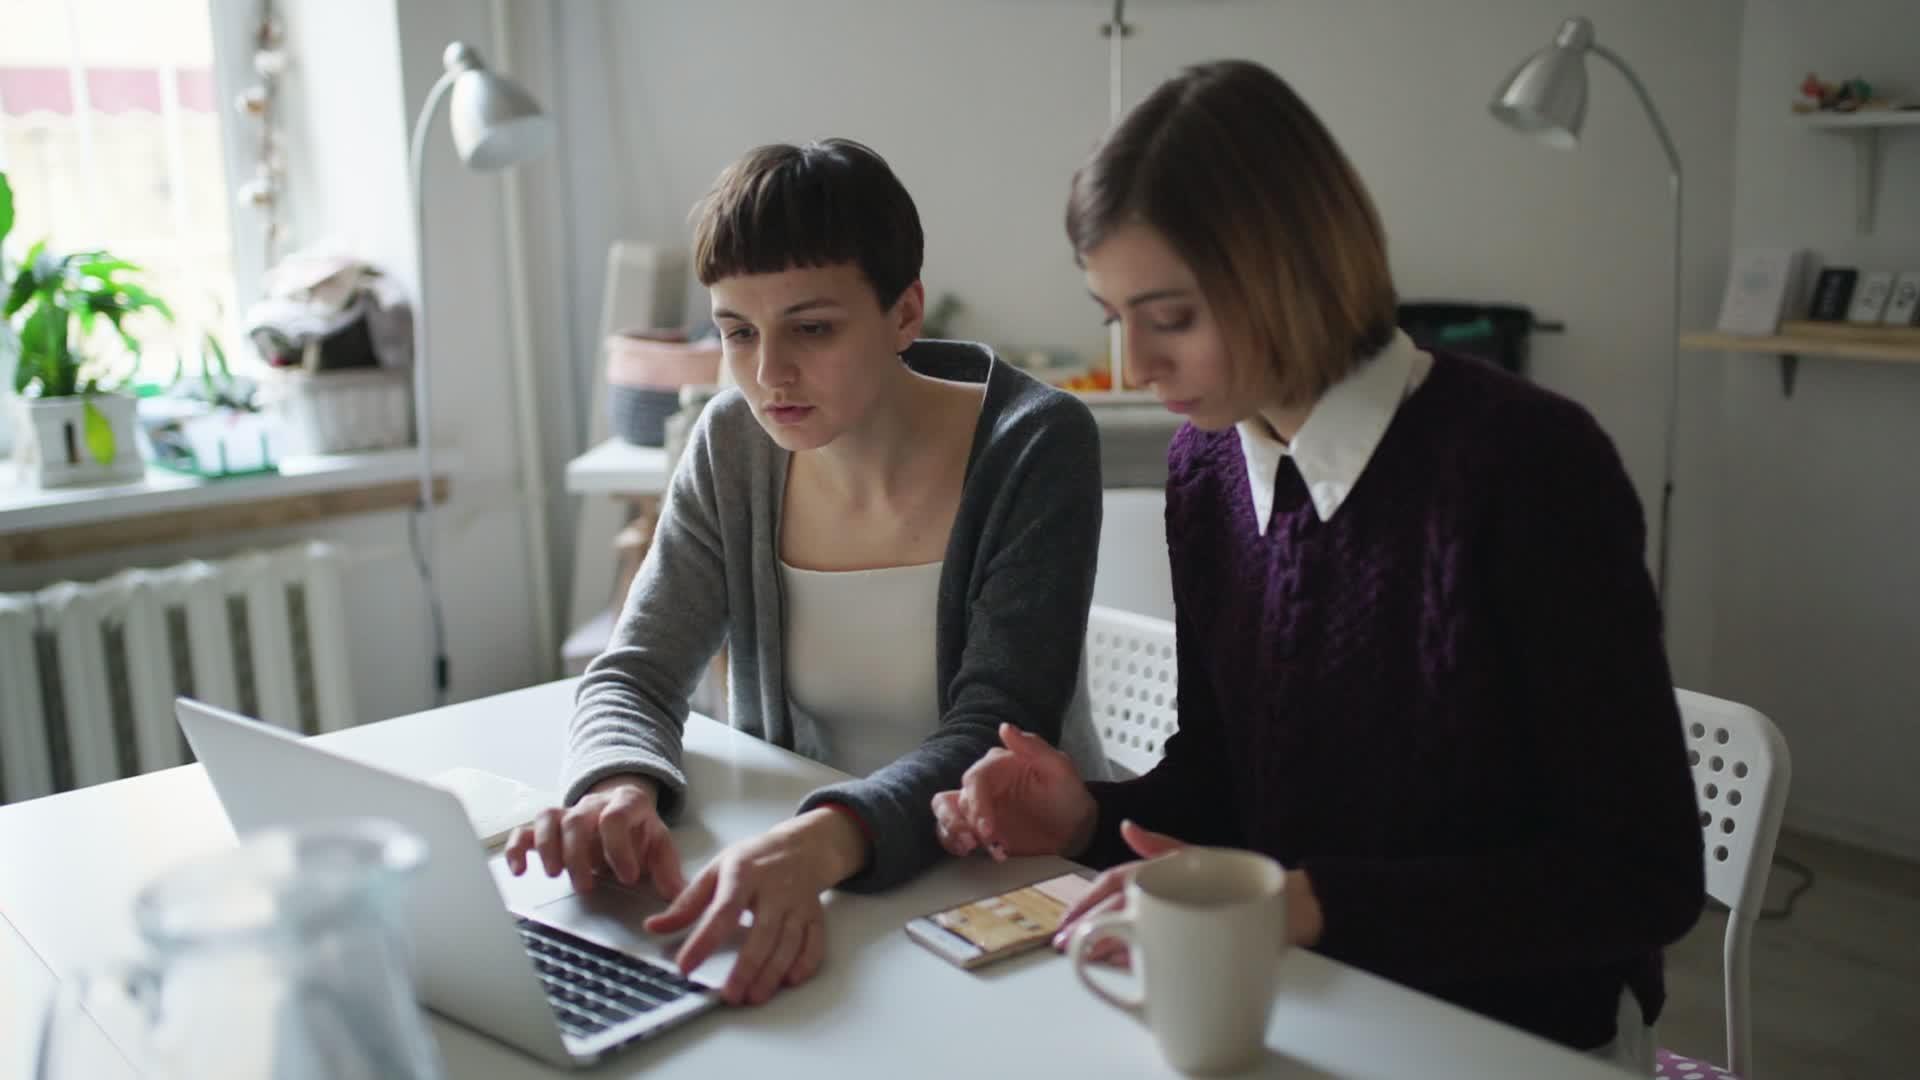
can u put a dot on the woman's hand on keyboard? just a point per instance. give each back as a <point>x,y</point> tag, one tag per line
<point>615,828</point>
<point>779,877</point>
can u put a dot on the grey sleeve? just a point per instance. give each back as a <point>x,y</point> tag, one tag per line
<point>631,707</point>
<point>1025,628</point>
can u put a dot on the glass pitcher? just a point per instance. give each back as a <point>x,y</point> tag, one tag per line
<point>284,959</point>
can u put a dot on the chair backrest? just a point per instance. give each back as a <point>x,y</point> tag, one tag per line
<point>1741,769</point>
<point>1132,682</point>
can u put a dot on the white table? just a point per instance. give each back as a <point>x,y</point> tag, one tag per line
<point>25,986</point>
<point>618,467</point>
<point>882,1006</point>
<point>636,477</point>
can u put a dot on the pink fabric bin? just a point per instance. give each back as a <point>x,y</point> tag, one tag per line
<point>655,364</point>
<point>644,375</point>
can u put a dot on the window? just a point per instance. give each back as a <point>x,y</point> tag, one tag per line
<point>111,134</point>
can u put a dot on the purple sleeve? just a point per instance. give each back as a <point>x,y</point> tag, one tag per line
<point>1184,795</point>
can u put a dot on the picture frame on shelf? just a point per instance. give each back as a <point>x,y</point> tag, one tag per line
<point>1870,298</point>
<point>1762,284</point>
<point>1832,292</point>
<point>1903,309</point>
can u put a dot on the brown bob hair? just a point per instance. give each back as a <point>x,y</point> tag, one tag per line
<point>1251,190</point>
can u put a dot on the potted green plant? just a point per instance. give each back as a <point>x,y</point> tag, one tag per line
<point>72,423</point>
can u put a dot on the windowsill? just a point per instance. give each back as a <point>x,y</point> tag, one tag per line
<point>23,508</point>
<point>39,524</point>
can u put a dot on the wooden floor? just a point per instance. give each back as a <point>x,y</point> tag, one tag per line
<point>1836,988</point>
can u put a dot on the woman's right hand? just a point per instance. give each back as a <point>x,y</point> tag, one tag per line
<point>615,827</point>
<point>1023,798</point>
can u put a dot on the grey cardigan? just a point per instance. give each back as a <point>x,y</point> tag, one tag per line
<point>1011,615</point>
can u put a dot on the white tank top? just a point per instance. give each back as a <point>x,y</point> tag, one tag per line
<point>860,659</point>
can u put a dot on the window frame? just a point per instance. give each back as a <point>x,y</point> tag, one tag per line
<point>232,24</point>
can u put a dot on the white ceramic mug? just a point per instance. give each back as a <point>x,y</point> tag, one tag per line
<point>1206,928</point>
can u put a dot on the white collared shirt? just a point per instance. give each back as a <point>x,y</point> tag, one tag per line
<point>1340,435</point>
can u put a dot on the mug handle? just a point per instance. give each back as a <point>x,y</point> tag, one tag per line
<point>1113,924</point>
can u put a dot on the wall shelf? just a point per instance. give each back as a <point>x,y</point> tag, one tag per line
<point>1863,128</point>
<point>1797,338</point>
<point>1861,118</point>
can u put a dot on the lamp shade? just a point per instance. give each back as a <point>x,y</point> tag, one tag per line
<point>1546,96</point>
<point>495,122</point>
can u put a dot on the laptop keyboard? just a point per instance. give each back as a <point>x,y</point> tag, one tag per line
<point>592,987</point>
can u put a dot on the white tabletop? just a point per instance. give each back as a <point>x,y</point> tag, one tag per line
<point>618,467</point>
<point>882,1006</point>
<point>26,987</point>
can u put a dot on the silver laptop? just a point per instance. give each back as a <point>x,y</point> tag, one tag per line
<point>532,983</point>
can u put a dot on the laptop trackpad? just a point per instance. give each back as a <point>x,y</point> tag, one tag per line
<point>612,916</point>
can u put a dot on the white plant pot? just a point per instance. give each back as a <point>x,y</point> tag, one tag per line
<point>50,442</point>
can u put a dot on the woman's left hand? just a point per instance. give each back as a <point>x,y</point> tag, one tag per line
<point>779,877</point>
<point>1304,923</point>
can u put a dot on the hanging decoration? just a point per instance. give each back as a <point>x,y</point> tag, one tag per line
<point>265,191</point>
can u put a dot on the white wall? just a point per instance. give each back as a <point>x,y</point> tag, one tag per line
<point>538,193</point>
<point>346,132</point>
<point>984,109</point>
<point>486,567</point>
<point>1133,573</point>
<point>1817,598</point>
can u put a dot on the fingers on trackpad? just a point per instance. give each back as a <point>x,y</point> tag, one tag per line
<point>614,916</point>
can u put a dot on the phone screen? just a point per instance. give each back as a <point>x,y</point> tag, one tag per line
<point>981,930</point>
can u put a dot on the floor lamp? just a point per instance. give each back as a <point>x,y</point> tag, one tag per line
<point>1546,96</point>
<point>495,124</point>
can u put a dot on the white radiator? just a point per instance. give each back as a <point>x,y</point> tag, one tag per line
<point>88,672</point>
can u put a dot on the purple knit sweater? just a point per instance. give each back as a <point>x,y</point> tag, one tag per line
<point>1449,704</point>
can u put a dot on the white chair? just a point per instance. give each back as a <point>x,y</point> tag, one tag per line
<point>1131,685</point>
<point>1741,769</point>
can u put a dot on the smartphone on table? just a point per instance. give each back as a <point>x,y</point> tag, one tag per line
<point>979,932</point>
